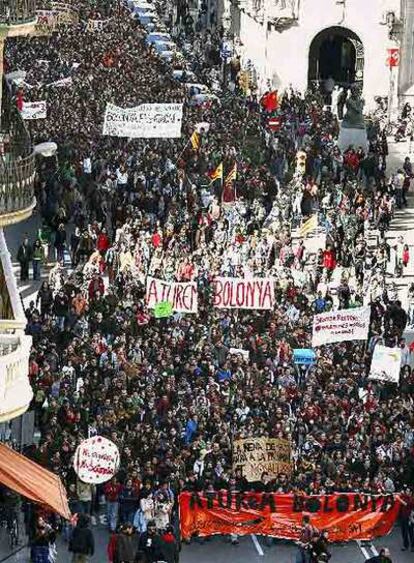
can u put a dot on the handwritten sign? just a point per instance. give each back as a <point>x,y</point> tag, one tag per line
<point>340,326</point>
<point>96,460</point>
<point>182,296</point>
<point>258,455</point>
<point>158,121</point>
<point>34,110</point>
<point>241,293</point>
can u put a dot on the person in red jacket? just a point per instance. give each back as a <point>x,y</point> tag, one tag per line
<point>96,287</point>
<point>103,242</point>
<point>329,261</point>
<point>112,490</point>
<point>406,518</point>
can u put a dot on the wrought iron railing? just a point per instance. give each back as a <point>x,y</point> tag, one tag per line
<point>17,160</point>
<point>15,12</point>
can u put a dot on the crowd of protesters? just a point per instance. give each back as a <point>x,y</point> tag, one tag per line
<point>168,392</point>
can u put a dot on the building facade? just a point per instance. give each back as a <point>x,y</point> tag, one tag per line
<point>300,42</point>
<point>17,201</point>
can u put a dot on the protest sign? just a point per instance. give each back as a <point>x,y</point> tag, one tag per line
<point>243,293</point>
<point>57,14</point>
<point>345,516</point>
<point>386,364</point>
<point>182,296</point>
<point>96,460</point>
<point>239,352</point>
<point>97,25</point>
<point>144,121</point>
<point>340,326</point>
<point>257,455</point>
<point>163,309</point>
<point>304,356</point>
<point>34,110</point>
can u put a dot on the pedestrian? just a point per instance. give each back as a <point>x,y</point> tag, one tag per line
<point>383,556</point>
<point>169,547</point>
<point>406,518</point>
<point>82,543</point>
<point>37,259</point>
<point>42,542</point>
<point>305,541</point>
<point>126,546</point>
<point>24,255</point>
<point>60,242</point>
<point>150,545</point>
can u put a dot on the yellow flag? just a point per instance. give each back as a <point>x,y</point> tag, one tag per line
<point>309,226</point>
<point>195,141</point>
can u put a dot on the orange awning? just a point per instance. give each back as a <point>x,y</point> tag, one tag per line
<point>32,481</point>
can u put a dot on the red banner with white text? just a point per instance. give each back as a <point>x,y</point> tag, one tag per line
<point>348,516</point>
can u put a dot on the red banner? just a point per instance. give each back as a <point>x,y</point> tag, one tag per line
<point>348,516</point>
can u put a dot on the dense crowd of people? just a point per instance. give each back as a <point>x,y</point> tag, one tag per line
<point>168,392</point>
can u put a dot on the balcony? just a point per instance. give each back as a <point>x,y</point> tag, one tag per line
<point>17,167</point>
<point>15,390</point>
<point>17,17</point>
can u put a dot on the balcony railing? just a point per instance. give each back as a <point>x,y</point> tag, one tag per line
<point>17,162</point>
<point>17,12</point>
<point>15,390</point>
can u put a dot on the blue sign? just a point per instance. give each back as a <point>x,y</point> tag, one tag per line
<point>304,356</point>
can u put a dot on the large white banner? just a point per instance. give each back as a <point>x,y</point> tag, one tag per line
<point>144,121</point>
<point>34,110</point>
<point>243,293</point>
<point>339,326</point>
<point>386,364</point>
<point>182,296</point>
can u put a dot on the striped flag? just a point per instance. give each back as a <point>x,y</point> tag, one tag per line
<point>309,226</point>
<point>232,175</point>
<point>217,174</point>
<point>229,191</point>
<point>195,141</point>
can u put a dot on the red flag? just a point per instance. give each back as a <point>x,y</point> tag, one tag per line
<point>269,101</point>
<point>19,99</point>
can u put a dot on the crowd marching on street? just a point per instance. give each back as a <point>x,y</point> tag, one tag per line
<point>230,199</point>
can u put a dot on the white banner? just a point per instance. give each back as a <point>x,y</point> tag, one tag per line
<point>97,25</point>
<point>34,110</point>
<point>144,121</point>
<point>243,293</point>
<point>386,364</point>
<point>96,460</point>
<point>182,296</point>
<point>339,326</point>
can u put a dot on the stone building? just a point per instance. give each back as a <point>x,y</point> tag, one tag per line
<point>300,42</point>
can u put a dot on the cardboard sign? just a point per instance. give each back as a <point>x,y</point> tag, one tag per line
<point>345,516</point>
<point>341,326</point>
<point>183,297</point>
<point>96,460</point>
<point>34,110</point>
<point>241,293</point>
<point>159,121</point>
<point>163,310</point>
<point>258,455</point>
<point>386,364</point>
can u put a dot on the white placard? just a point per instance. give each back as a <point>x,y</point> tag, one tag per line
<point>340,326</point>
<point>34,110</point>
<point>96,460</point>
<point>243,293</point>
<point>160,121</point>
<point>97,25</point>
<point>386,364</point>
<point>240,352</point>
<point>182,295</point>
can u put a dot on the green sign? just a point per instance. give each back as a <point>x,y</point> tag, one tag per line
<point>163,309</point>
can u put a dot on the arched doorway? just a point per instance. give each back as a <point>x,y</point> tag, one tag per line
<point>337,54</point>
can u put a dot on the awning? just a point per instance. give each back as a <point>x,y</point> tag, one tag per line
<point>32,481</point>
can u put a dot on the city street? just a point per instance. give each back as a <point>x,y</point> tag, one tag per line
<point>249,550</point>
